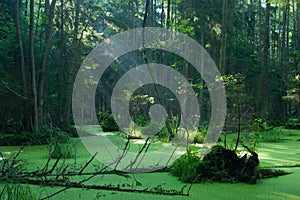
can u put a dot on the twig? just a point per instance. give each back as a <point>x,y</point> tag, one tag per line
<point>12,91</point>
<point>138,155</point>
<point>13,162</point>
<point>124,153</point>
<point>146,150</point>
<point>86,164</point>
<point>55,164</point>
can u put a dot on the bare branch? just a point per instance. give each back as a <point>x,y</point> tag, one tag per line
<point>12,91</point>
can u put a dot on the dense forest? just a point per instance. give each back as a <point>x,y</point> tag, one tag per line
<point>255,44</point>
<point>158,111</point>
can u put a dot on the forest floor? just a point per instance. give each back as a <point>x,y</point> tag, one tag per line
<point>278,148</point>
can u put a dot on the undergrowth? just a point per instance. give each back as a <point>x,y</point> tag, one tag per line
<point>16,192</point>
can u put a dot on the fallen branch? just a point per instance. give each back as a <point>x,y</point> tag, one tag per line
<point>12,91</point>
<point>68,185</point>
<point>285,166</point>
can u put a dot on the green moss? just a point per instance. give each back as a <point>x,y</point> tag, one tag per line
<point>284,153</point>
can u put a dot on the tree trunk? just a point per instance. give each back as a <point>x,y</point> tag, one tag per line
<point>251,28</point>
<point>162,15</point>
<point>22,62</point>
<point>169,14</point>
<point>26,8</point>
<point>151,13</point>
<point>264,88</point>
<point>201,99</point>
<point>48,37</point>
<point>224,38</point>
<point>74,61</point>
<point>298,48</point>
<point>21,50</point>
<point>32,67</point>
<point>61,78</point>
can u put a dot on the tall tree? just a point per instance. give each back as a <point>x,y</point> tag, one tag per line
<point>49,10</point>
<point>266,54</point>
<point>32,67</point>
<point>223,38</point>
<point>74,61</point>
<point>21,61</point>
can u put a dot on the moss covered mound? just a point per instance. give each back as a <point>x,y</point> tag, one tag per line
<point>220,165</point>
<point>224,165</point>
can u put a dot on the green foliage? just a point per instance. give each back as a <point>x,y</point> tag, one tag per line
<point>186,27</point>
<point>252,140</point>
<point>258,125</point>
<point>16,192</point>
<point>271,136</point>
<point>185,167</point>
<point>235,89</point>
<point>202,21</point>
<point>107,122</point>
<point>164,135</point>
<point>44,135</point>
<point>220,165</point>
<point>60,150</point>
<point>199,136</point>
<point>7,38</point>
<point>141,121</point>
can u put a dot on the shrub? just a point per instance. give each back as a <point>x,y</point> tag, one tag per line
<point>185,167</point>
<point>62,150</point>
<point>164,135</point>
<point>44,135</point>
<point>220,165</point>
<point>199,136</point>
<point>141,121</point>
<point>107,122</point>
<point>252,140</point>
<point>258,125</point>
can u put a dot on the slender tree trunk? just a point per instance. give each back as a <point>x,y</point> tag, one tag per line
<point>20,41</point>
<point>146,14</point>
<point>62,63</point>
<point>285,60</point>
<point>238,126</point>
<point>168,124</point>
<point>224,38</point>
<point>244,13</point>
<point>151,13</point>
<point>298,27</point>
<point>267,37</point>
<point>298,48</point>
<point>154,11</point>
<point>201,101</point>
<point>26,8</point>
<point>252,23</point>
<point>266,54</point>
<point>169,14</point>
<point>162,16</point>
<point>48,37</point>
<point>74,61</point>
<point>37,34</point>
<point>32,67</point>
<point>283,39</point>
<point>22,62</point>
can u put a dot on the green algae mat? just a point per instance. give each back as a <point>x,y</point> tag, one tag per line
<point>282,154</point>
